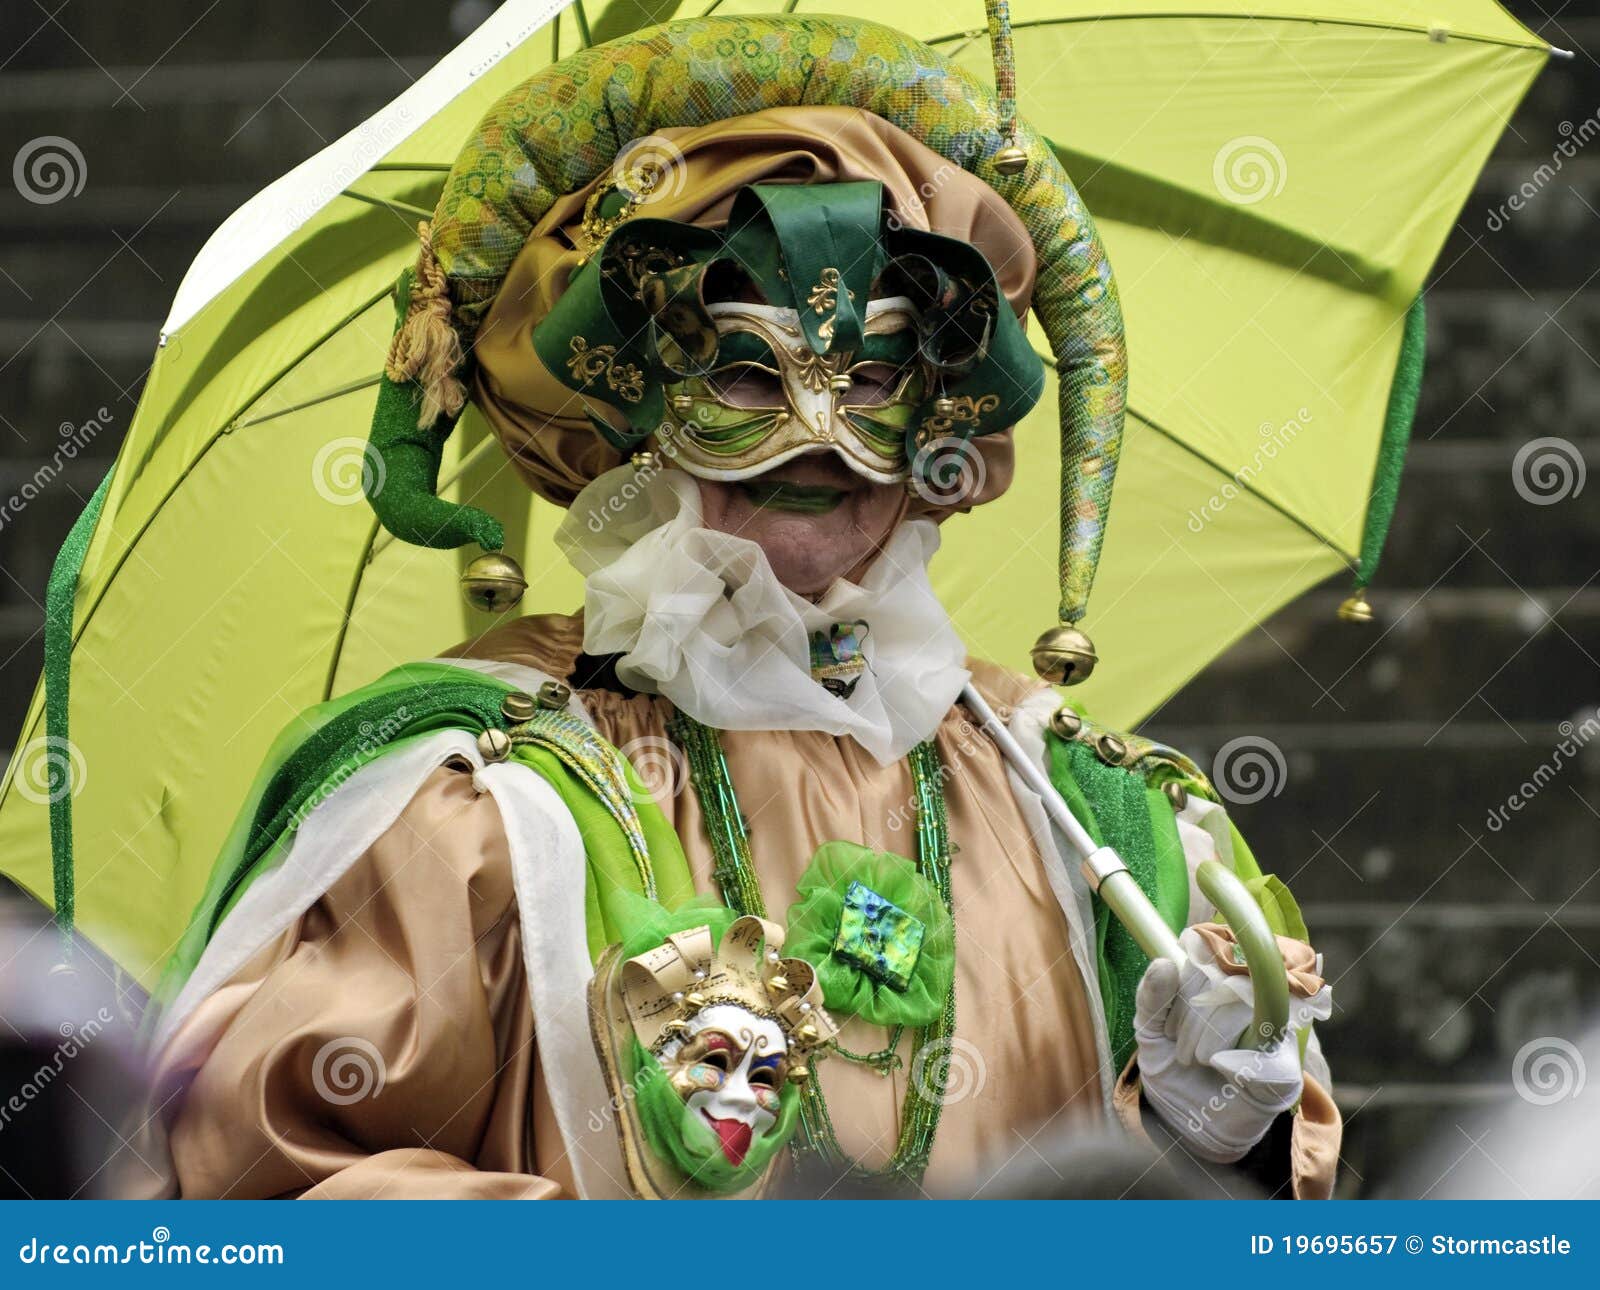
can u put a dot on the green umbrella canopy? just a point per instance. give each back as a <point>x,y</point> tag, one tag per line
<point>1272,186</point>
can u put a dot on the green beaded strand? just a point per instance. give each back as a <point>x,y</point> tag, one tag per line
<point>734,873</point>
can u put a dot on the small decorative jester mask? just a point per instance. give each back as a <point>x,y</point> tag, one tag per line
<point>705,1039</point>
<point>730,1068</point>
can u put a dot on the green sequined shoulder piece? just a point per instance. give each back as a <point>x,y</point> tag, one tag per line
<point>1158,763</point>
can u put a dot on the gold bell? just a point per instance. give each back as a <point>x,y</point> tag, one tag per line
<point>693,1001</point>
<point>517,706</point>
<point>1355,609</point>
<point>1011,160</point>
<point>492,582</point>
<point>1064,656</point>
<point>778,984</point>
<point>1176,793</point>
<point>644,460</point>
<point>807,1034</point>
<point>1109,749</point>
<point>799,1074</point>
<point>1065,722</point>
<point>494,745</point>
<point>554,695</point>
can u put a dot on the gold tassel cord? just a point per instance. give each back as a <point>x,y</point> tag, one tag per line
<point>427,348</point>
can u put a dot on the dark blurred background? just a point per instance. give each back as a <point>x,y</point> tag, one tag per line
<point>1453,946</point>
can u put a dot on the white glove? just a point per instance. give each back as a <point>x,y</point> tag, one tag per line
<point>1218,1097</point>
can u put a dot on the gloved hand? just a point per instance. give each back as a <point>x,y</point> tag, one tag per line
<point>1218,1097</point>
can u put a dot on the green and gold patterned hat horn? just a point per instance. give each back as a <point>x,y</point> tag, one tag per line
<point>530,149</point>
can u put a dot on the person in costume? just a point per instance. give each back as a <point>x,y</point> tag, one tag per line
<point>723,878</point>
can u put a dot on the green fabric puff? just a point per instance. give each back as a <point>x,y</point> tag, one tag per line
<point>814,925</point>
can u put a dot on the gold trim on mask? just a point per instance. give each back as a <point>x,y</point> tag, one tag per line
<point>716,438</point>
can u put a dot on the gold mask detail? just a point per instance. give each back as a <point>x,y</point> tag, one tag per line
<point>772,397</point>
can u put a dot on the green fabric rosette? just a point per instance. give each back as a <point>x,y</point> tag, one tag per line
<point>877,932</point>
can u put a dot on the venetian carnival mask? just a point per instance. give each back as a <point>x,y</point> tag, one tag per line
<point>705,1043</point>
<point>729,1068</point>
<point>812,322</point>
<point>772,397</point>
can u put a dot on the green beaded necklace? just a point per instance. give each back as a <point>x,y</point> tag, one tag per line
<point>735,876</point>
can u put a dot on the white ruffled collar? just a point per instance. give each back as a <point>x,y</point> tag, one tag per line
<point>699,617</point>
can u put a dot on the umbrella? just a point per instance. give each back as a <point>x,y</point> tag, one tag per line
<point>1272,188</point>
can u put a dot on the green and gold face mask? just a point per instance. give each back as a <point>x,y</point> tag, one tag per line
<point>771,397</point>
<point>810,323</point>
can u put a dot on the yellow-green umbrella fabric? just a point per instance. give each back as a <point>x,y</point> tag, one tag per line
<point>1272,183</point>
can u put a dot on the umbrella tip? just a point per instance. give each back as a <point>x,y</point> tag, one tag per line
<point>1564,54</point>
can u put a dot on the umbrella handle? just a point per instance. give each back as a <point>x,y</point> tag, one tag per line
<point>1106,874</point>
<point>1269,979</point>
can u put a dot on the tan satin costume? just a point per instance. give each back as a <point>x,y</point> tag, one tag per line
<point>417,950</point>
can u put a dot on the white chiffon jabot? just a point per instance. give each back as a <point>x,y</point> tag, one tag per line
<point>699,617</point>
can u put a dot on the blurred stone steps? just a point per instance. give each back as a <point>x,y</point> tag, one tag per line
<point>231,32</point>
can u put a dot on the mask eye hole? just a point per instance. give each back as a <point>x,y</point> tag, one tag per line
<point>718,1059</point>
<point>746,385</point>
<point>874,384</point>
<point>764,1077</point>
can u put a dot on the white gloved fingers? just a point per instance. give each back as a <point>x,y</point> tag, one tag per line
<point>1152,1003</point>
<point>1191,983</point>
<point>1210,1029</point>
<point>1270,1081</point>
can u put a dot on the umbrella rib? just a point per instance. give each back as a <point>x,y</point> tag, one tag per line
<point>81,622</point>
<point>388,204</point>
<point>1234,476</point>
<point>349,610</point>
<point>350,387</point>
<point>1368,24</point>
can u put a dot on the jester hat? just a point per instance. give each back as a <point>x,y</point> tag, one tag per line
<point>641,288</point>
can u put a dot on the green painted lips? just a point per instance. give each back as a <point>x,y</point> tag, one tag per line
<point>804,499</point>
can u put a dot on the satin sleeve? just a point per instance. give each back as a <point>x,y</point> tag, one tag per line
<point>381,1047</point>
